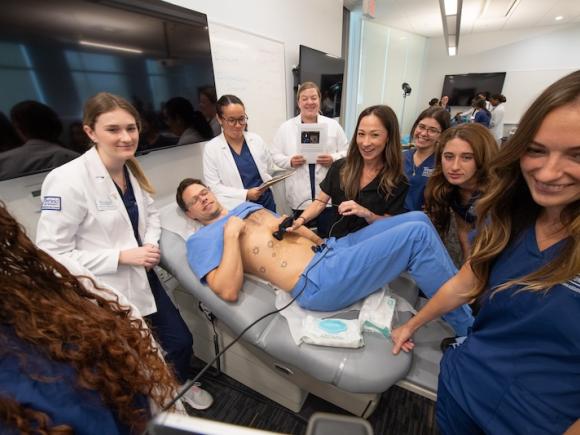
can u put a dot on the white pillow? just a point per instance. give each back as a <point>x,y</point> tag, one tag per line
<point>175,220</point>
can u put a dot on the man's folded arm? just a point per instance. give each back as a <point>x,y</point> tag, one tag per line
<point>227,279</point>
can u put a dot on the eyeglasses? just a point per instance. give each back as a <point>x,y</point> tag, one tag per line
<point>233,121</point>
<point>430,130</point>
<point>195,198</point>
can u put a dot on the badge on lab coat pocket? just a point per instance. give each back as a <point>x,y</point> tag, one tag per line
<point>105,204</point>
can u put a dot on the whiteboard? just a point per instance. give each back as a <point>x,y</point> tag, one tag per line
<point>251,67</point>
<point>522,87</point>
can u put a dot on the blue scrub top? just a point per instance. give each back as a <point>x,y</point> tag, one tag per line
<point>518,371</point>
<point>251,176</point>
<point>418,177</point>
<point>54,389</point>
<point>130,204</point>
<point>206,246</point>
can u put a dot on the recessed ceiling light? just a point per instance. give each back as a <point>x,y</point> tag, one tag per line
<point>559,17</point>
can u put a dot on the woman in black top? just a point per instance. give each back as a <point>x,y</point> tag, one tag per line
<point>369,183</point>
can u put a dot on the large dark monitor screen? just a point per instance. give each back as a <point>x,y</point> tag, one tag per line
<point>55,54</point>
<point>461,88</point>
<point>328,73</point>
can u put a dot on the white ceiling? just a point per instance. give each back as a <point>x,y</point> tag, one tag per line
<point>423,17</point>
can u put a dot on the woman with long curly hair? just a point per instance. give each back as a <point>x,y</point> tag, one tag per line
<point>369,183</point>
<point>72,358</point>
<point>98,211</point>
<point>460,176</point>
<point>518,371</point>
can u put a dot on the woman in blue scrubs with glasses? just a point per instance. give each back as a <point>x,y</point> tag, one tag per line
<point>518,371</point>
<point>237,162</point>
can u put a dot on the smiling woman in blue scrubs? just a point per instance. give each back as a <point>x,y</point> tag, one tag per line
<point>518,371</point>
<point>420,160</point>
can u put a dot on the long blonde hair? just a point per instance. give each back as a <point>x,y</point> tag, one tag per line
<point>392,171</point>
<point>104,102</point>
<point>508,207</point>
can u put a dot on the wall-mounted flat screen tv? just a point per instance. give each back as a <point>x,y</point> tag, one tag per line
<point>461,88</point>
<point>55,54</point>
<point>327,72</point>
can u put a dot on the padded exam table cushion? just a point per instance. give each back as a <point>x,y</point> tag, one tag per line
<point>370,369</point>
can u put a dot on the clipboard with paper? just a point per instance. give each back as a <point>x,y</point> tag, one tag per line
<point>312,139</point>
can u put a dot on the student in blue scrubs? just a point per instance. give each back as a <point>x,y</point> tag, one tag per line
<point>71,356</point>
<point>237,162</point>
<point>419,161</point>
<point>459,178</point>
<point>518,371</point>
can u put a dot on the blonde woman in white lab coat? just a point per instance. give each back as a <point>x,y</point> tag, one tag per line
<point>303,186</point>
<point>237,162</point>
<point>97,210</point>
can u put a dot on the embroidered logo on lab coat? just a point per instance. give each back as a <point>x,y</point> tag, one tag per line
<point>51,203</point>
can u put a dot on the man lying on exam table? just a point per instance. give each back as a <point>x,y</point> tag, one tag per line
<point>326,275</point>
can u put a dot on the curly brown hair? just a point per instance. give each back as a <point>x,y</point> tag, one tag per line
<point>27,420</point>
<point>44,305</point>
<point>439,192</point>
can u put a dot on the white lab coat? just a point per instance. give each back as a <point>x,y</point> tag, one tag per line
<point>285,146</point>
<point>221,174</point>
<point>83,217</point>
<point>496,125</point>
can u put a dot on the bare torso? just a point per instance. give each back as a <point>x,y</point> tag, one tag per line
<point>278,261</point>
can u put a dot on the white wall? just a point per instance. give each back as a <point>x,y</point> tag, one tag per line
<point>532,59</point>
<point>314,23</point>
<point>390,57</point>
<point>317,24</point>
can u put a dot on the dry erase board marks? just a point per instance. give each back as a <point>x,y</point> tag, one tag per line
<point>251,67</point>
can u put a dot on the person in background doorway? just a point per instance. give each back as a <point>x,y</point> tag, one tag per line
<point>419,161</point>
<point>237,162</point>
<point>303,186</point>
<point>497,113</point>
<point>433,102</point>
<point>444,103</point>
<point>482,115</point>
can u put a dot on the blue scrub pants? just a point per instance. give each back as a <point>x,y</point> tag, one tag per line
<point>351,268</point>
<point>451,419</point>
<point>170,330</point>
